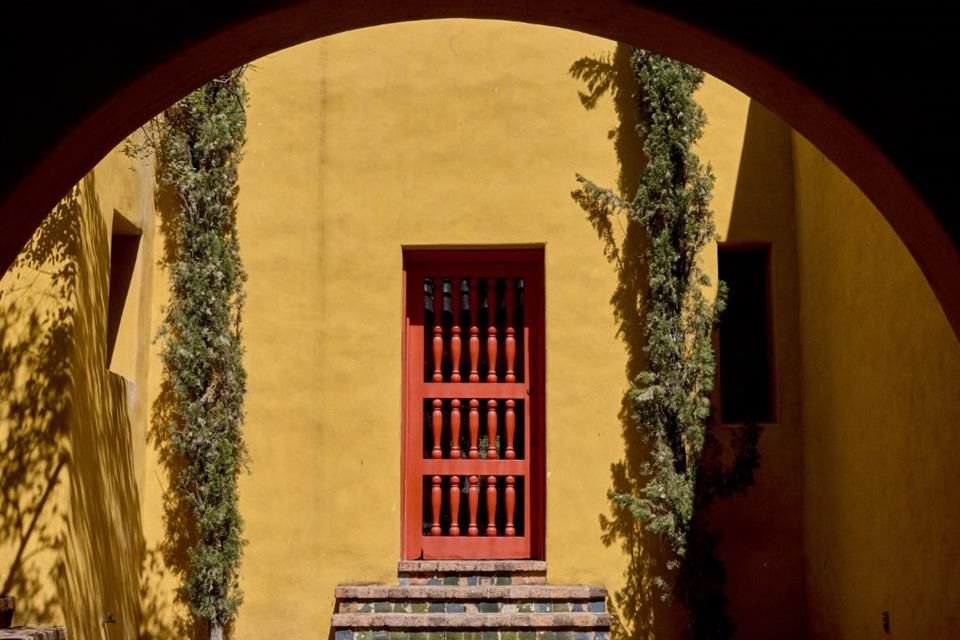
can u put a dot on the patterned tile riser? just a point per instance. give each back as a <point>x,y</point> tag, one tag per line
<point>377,634</point>
<point>594,606</point>
<point>472,580</point>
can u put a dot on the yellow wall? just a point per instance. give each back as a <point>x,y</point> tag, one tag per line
<point>762,531</point>
<point>425,134</point>
<point>881,374</point>
<point>71,431</point>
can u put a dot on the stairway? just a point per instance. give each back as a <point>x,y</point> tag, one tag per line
<point>471,600</point>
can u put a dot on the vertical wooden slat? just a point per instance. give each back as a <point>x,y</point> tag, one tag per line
<point>474,329</point>
<point>491,330</point>
<point>473,424</point>
<point>435,497</point>
<point>511,428</point>
<point>437,329</point>
<point>455,330</point>
<point>510,505</point>
<point>454,506</point>
<point>492,429</point>
<point>491,505</point>
<point>455,429</point>
<point>437,427</point>
<point>473,504</point>
<point>510,343</point>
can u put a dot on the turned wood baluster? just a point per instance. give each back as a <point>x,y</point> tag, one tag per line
<point>492,429</point>
<point>511,428</point>
<point>455,429</point>
<point>455,330</point>
<point>454,506</point>
<point>511,504</point>
<point>491,505</point>
<point>510,346</point>
<point>491,330</point>
<point>473,424</point>
<point>473,503</point>
<point>474,329</point>
<point>437,329</point>
<point>436,495</point>
<point>437,424</point>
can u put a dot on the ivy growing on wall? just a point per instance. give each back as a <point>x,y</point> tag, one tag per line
<point>670,399</point>
<point>198,143</point>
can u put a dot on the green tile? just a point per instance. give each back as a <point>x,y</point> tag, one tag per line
<point>525,607</point>
<point>503,579</point>
<point>528,635</point>
<point>382,607</point>
<point>363,635</point>
<point>489,635</point>
<point>366,607</point>
<point>489,607</point>
<point>565,635</point>
<point>451,580</point>
<point>436,607</point>
<point>437,635</point>
<point>455,635</point>
<point>561,607</point>
<point>418,607</point>
<point>547,635</point>
<point>419,635</point>
<point>401,607</point>
<point>399,635</point>
<point>472,635</point>
<point>508,635</point>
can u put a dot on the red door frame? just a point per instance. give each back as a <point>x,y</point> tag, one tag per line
<point>499,262</point>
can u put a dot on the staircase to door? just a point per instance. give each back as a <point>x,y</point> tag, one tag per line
<point>471,600</point>
<point>473,427</point>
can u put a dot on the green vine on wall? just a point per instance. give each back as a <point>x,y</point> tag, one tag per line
<point>670,398</point>
<point>198,143</point>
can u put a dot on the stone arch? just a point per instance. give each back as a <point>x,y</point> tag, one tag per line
<point>226,39</point>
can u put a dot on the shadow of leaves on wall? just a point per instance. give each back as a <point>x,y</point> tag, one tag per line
<point>37,321</point>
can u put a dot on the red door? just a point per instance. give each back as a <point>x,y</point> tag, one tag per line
<point>473,465</point>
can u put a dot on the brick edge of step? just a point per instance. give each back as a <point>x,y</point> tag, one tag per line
<point>482,592</point>
<point>600,621</point>
<point>471,566</point>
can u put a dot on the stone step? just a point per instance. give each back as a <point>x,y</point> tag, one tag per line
<point>472,572</point>
<point>471,599</point>
<point>358,622</point>
<point>468,634</point>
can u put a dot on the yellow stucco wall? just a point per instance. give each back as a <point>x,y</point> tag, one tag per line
<point>423,134</point>
<point>881,374</point>
<point>71,432</point>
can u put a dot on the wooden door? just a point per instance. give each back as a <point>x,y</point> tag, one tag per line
<point>473,466</point>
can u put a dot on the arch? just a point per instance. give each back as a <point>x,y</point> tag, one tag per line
<point>181,54</point>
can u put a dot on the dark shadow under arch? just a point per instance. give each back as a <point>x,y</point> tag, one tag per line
<point>122,64</point>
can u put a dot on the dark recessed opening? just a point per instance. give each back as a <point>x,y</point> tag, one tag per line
<point>745,357</point>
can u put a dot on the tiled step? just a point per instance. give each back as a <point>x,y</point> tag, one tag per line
<point>472,572</point>
<point>471,599</point>
<point>482,626</point>
<point>468,634</point>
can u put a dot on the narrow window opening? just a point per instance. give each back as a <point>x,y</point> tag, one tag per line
<point>745,354</point>
<point>122,298</point>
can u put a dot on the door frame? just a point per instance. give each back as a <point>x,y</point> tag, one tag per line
<point>531,261</point>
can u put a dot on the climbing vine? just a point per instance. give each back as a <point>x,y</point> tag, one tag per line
<point>669,400</point>
<point>198,143</point>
